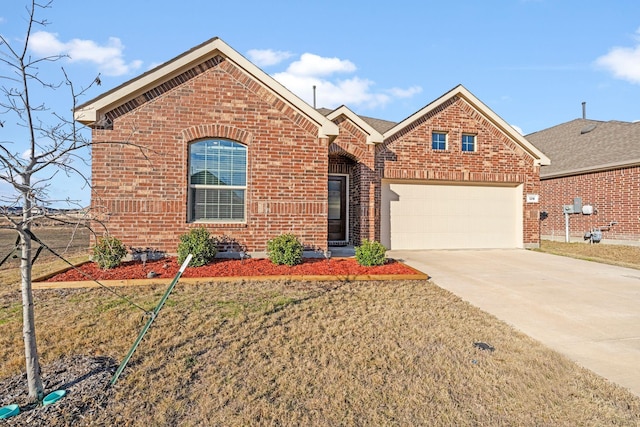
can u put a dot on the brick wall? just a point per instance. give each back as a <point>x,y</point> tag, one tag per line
<point>613,194</point>
<point>350,154</point>
<point>408,155</point>
<point>141,192</point>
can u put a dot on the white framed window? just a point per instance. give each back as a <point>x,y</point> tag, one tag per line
<point>217,181</point>
<point>468,142</point>
<point>438,141</point>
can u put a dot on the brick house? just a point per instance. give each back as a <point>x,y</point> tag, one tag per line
<point>598,162</point>
<point>215,141</point>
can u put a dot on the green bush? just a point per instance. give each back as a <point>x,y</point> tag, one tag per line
<point>285,249</point>
<point>200,244</point>
<point>370,253</point>
<point>109,252</point>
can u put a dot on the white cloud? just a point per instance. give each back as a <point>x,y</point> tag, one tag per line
<point>267,57</point>
<point>355,91</point>
<point>623,62</point>
<point>315,65</point>
<point>518,129</point>
<point>108,58</point>
<point>405,93</point>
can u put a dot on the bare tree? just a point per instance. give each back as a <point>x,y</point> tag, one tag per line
<point>54,142</point>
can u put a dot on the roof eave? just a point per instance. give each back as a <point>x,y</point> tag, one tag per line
<point>540,159</point>
<point>87,113</point>
<point>373,136</point>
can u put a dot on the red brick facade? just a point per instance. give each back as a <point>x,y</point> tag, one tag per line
<point>497,159</point>
<point>140,191</point>
<point>612,193</point>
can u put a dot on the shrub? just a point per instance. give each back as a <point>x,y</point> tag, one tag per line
<point>200,244</point>
<point>109,252</point>
<point>285,249</point>
<point>370,253</point>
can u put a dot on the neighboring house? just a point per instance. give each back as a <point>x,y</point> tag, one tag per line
<point>598,162</point>
<point>210,139</point>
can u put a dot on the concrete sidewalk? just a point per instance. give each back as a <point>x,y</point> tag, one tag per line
<point>588,311</point>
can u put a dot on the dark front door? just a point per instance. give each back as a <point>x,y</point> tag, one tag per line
<point>337,208</point>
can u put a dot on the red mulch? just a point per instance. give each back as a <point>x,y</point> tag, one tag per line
<point>168,267</point>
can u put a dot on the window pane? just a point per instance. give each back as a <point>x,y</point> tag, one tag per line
<point>468,142</point>
<point>217,204</point>
<point>439,141</point>
<point>217,164</point>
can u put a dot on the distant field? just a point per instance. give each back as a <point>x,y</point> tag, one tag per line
<point>63,240</point>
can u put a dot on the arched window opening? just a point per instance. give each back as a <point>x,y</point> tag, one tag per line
<point>217,181</point>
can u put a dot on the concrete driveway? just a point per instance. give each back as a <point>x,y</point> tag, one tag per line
<point>587,311</point>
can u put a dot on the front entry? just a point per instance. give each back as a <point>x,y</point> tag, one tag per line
<point>338,212</point>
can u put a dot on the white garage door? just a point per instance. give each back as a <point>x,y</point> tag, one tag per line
<point>437,216</point>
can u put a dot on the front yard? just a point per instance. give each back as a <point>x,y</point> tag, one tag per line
<point>297,353</point>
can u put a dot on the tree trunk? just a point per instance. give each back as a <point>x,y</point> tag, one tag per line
<point>34,379</point>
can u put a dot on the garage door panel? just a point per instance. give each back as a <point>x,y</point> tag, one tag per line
<point>435,216</point>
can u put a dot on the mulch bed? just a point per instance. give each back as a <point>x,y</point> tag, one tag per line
<point>168,267</point>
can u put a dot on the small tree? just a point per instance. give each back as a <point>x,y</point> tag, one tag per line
<point>54,141</point>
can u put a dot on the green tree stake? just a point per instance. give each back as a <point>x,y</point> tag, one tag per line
<point>150,321</point>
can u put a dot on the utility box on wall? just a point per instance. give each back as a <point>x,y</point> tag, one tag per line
<point>577,204</point>
<point>587,210</point>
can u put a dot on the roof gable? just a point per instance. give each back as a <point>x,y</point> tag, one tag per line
<point>186,66</point>
<point>373,136</point>
<point>461,92</point>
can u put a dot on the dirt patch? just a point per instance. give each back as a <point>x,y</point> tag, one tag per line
<point>63,240</point>
<point>84,378</point>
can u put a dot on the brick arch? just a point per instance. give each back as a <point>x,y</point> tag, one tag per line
<point>216,131</point>
<point>348,150</point>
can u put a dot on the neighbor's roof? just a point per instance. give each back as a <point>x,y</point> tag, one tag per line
<point>582,146</point>
<point>91,111</point>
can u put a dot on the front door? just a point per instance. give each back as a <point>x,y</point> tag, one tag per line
<point>337,229</point>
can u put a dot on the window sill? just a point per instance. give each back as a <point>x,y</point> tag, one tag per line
<point>221,224</point>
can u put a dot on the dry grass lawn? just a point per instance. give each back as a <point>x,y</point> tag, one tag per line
<point>298,353</point>
<point>626,256</point>
<point>365,353</point>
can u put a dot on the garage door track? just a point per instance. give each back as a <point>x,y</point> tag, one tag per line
<point>587,311</point>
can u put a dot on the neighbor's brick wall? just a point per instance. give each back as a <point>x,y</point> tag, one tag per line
<point>408,155</point>
<point>614,194</point>
<point>144,200</point>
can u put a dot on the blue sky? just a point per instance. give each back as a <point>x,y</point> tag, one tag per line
<point>533,62</point>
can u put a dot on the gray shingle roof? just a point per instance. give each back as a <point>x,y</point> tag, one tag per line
<point>583,145</point>
<point>378,124</point>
